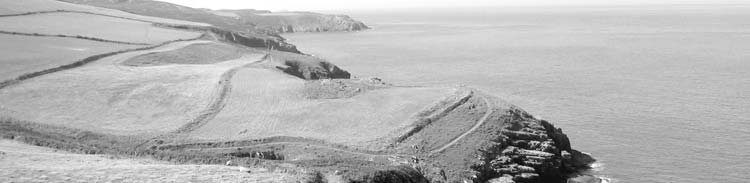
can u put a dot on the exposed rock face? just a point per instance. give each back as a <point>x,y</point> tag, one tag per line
<point>314,70</point>
<point>246,39</point>
<point>530,151</point>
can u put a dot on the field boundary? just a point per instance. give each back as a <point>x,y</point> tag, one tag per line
<point>433,115</point>
<point>228,36</point>
<point>476,126</point>
<point>270,141</point>
<point>69,36</point>
<point>82,62</point>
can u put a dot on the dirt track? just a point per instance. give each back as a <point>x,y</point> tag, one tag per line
<point>218,101</point>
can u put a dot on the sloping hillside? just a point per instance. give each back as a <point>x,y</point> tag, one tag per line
<point>197,94</point>
<point>248,21</point>
<point>295,21</point>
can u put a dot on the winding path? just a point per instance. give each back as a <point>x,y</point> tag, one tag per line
<point>217,102</point>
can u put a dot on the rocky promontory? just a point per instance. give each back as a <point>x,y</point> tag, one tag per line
<point>287,22</point>
<point>242,20</point>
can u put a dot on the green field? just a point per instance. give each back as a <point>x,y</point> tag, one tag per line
<point>208,53</point>
<point>266,103</point>
<point>110,97</point>
<point>26,6</point>
<point>102,27</point>
<point>26,163</point>
<point>25,54</point>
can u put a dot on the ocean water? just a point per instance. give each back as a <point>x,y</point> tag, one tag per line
<point>656,93</point>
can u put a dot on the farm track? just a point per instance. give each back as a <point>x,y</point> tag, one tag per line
<point>69,36</point>
<point>476,126</point>
<point>218,101</point>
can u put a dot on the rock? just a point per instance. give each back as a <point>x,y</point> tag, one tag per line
<point>524,135</point>
<point>503,179</point>
<point>244,169</point>
<point>534,153</point>
<point>561,140</point>
<point>313,70</point>
<point>581,159</point>
<point>585,179</point>
<point>526,177</point>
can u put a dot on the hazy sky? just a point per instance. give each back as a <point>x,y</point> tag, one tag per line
<point>389,4</point>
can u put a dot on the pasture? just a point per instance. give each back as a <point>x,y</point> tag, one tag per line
<point>109,97</point>
<point>25,6</point>
<point>267,103</point>
<point>25,54</point>
<point>26,163</point>
<point>208,53</point>
<point>96,26</point>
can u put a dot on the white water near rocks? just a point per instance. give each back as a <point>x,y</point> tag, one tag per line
<point>656,93</point>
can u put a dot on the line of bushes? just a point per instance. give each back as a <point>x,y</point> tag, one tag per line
<point>69,36</point>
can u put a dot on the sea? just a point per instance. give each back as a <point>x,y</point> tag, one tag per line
<point>657,93</point>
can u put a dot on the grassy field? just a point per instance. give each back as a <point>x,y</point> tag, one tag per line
<point>25,6</point>
<point>88,25</point>
<point>25,163</point>
<point>25,54</point>
<point>109,97</point>
<point>208,53</point>
<point>265,103</point>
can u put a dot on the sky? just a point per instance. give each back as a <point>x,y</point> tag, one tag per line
<point>312,5</point>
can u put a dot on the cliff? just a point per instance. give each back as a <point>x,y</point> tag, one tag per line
<point>287,22</point>
<point>507,145</point>
<point>245,20</point>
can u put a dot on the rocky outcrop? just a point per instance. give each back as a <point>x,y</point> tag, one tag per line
<point>319,23</point>
<point>246,39</point>
<point>244,20</point>
<point>530,151</point>
<point>314,70</point>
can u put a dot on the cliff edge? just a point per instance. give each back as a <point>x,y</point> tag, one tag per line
<point>244,20</point>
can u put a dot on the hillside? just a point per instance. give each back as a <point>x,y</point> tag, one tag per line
<point>295,21</point>
<point>152,96</point>
<point>247,20</point>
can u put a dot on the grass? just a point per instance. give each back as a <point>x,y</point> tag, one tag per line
<point>88,25</point>
<point>108,97</point>
<point>25,54</point>
<point>19,7</point>
<point>208,53</point>
<point>26,163</point>
<point>265,103</point>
